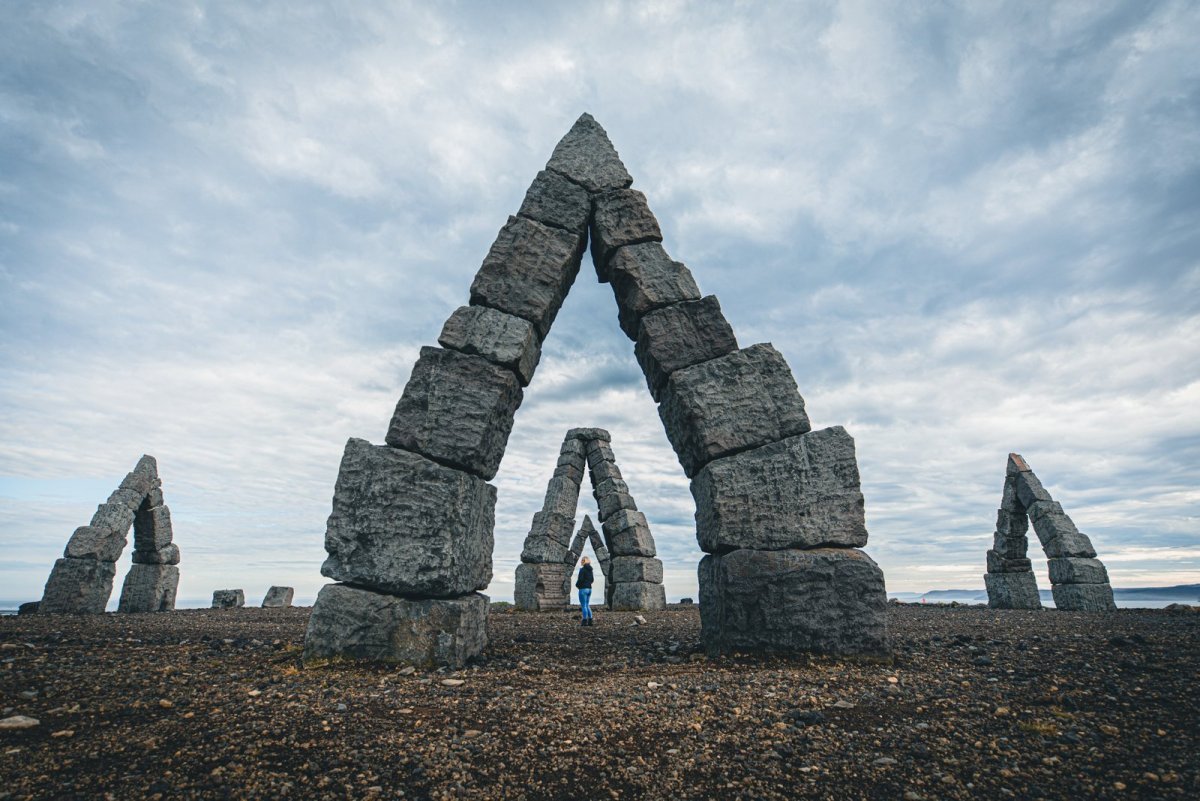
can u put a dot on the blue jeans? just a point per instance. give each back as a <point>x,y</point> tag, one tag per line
<point>585,597</point>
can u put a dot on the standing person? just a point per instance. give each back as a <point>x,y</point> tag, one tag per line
<point>584,585</point>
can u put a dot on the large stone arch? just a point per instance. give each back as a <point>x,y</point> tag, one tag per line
<point>778,506</point>
<point>1078,580</point>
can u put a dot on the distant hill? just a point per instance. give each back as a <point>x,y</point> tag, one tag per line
<point>1181,593</point>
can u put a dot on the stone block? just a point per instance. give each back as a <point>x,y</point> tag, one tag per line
<point>408,526</point>
<point>149,588</point>
<point>1057,533</point>
<point>800,492</point>
<point>502,339</point>
<point>228,599</point>
<point>740,401</point>
<point>152,528</point>
<point>112,517</point>
<point>78,586</point>
<point>1016,464</point>
<point>29,608</point>
<point>1011,524</point>
<point>587,157</point>
<point>628,534</point>
<point>604,471</point>
<point>825,600</point>
<point>164,556</point>
<point>528,271</point>
<point>457,410</point>
<point>126,496</point>
<point>598,452</point>
<point>1012,591</point>
<point>586,435</point>
<point>574,448</point>
<point>1076,570</point>
<point>645,278</point>
<point>540,549</point>
<point>143,477</point>
<point>611,485</point>
<point>620,217</point>
<point>562,496</point>
<point>570,471</point>
<point>997,562</point>
<point>637,568</point>
<point>613,502</point>
<point>1010,547</point>
<point>554,200</point>
<point>89,542</point>
<point>679,336</point>
<point>638,595</point>
<point>542,586</point>
<point>555,527</point>
<point>1030,490</point>
<point>1083,597</point>
<point>353,624</point>
<point>278,597</point>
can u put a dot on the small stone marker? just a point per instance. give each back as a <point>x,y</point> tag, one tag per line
<point>277,597</point>
<point>228,599</point>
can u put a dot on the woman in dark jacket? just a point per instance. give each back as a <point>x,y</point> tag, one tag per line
<point>584,585</point>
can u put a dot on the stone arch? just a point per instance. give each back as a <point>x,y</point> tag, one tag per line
<point>81,582</point>
<point>1079,581</point>
<point>778,506</point>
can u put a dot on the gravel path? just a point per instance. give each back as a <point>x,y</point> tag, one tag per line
<point>977,704</point>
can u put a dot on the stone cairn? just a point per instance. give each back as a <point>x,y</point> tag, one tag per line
<point>81,582</point>
<point>228,599</point>
<point>632,576</point>
<point>778,508</point>
<point>277,597</point>
<point>1079,581</point>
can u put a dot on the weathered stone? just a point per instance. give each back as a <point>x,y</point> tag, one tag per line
<point>562,496</point>
<point>500,338</point>
<point>152,528</point>
<point>1030,490</point>
<point>554,200</point>
<point>126,496</point>
<point>555,527</point>
<point>645,278</point>
<point>1009,502</point>
<point>1012,524</point>
<point>997,562</point>
<point>149,588</point>
<point>78,586</point>
<point>586,435</point>
<point>277,597</point>
<point>801,492</point>
<point>598,452</point>
<point>228,599</point>
<point>1012,591</point>
<point>143,477</point>
<point>613,502</point>
<point>740,401</point>
<point>587,157</point>
<point>636,568</point>
<point>528,271</point>
<point>112,517</point>
<point>406,525</point>
<point>541,586</point>
<point>29,608</point>
<point>570,471</point>
<point>638,595</point>
<point>1057,533</point>
<point>349,623</point>
<point>164,556</point>
<point>1016,464</point>
<point>573,448</point>
<point>1076,570</point>
<point>628,534</point>
<point>826,600</point>
<point>457,410</point>
<point>620,217</point>
<point>679,336</point>
<point>611,485</point>
<point>1010,547</point>
<point>539,549</point>
<point>604,471</point>
<point>1083,597</point>
<point>89,542</point>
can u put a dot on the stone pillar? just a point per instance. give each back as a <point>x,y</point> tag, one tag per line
<point>278,597</point>
<point>1009,579</point>
<point>228,599</point>
<point>153,581</point>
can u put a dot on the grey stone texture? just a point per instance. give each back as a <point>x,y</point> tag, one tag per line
<point>628,534</point>
<point>645,278</point>
<point>1030,490</point>
<point>502,339</point>
<point>149,588</point>
<point>1083,597</point>
<point>1057,533</point>
<point>1076,570</point>
<point>562,496</point>
<point>228,599</point>
<point>587,157</point>
<point>586,435</point>
<point>553,199</point>
<point>604,471</point>
<point>541,586</point>
<point>29,608</point>
<point>638,595</point>
<point>1010,547</point>
<point>620,217</point>
<point>114,518</point>
<point>89,542</point>
<point>457,410</point>
<point>278,597</point>
<point>78,586</point>
<point>613,502</point>
<point>353,624</point>
<point>1012,590</point>
<point>164,556</point>
<point>637,568</point>
<point>152,528</point>
<point>824,600</point>
<point>406,525</point>
<point>679,336</point>
<point>800,492</point>
<point>1011,524</point>
<point>999,563</point>
<point>739,401</point>
<point>528,271</point>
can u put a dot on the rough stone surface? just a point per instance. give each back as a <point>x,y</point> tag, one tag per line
<point>613,502</point>
<point>587,157</point>
<point>112,517</point>
<point>1012,591</point>
<point>679,336</point>
<point>152,528</point>
<point>457,410</point>
<point>620,217</point>
<point>29,608</point>
<point>562,496</point>
<point>278,597</point>
<point>999,563</point>
<point>1076,570</point>
<point>500,338</point>
<point>228,599</point>
<point>1016,464</point>
<point>1030,490</point>
<point>541,586</point>
<point>801,492</point>
<point>637,568</point>
<point>645,278</point>
<point>89,542</point>
<point>598,452</point>
<point>164,556</point>
<point>528,271</point>
<point>743,400</point>
<point>1083,597</point>
<point>1057,533</point>
<point>628,534</point>
<point>349,623</point>
<point>1011,524</point>
<point>78,586</point>
<point>641,595</point>
<point>604,471</point>
<point>149,588</point>
<point>826,600</point>
<point>555,527</point>
<point>585,435</point>
<point>409,526</point>
<point>554,200</point>
<point>1010,547</point>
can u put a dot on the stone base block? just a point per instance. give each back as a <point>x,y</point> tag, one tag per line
<point>541,586</point>
<point>78,586</point>
<point>826,600</point>
<point>348,623</point>
<point>638,595</point>
<point>228,599</point>
<point>637,568</point>
<point>1012,591</point>
<point>1084,597</point>
<point>277,597</point>
<point>149,588</point>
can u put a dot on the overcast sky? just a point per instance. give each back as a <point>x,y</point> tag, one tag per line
<point>971,228</point>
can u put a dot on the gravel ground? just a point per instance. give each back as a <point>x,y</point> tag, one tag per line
<point>976,704</point>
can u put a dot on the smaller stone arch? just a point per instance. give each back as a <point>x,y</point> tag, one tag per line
<point>82,580</point>
<point>1079,581</point>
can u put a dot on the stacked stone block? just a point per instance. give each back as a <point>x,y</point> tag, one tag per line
<point>81,582</point>
<point>1078,580</point>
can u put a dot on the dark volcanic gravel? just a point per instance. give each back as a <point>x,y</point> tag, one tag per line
<point>977,704</point>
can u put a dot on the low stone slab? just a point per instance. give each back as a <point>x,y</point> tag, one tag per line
<point>78,586</point>
<point>503,339</point>
<point>637,568</point>
<point>1083,597</point>
<point>645,278</point>
<point>587,157</point>
<point>740,401</point>
<point>638,595</point>
<point>528,271</point>
<point>1010,547</point>
<point>679,336</point>
<point>826,600</point>
<point>553,199</point>
<point>278,597</point>
<point>457,410</point>
<point>542,586</point>
<point>149,588</point>
<point>89,542</point>
<point>1076,570</point>
<point>406,525</point>
<point>164,556</point>
<point>152,528</point>
<point>570,471</point>
<point>999,563</point>
<point>1012,591</point>
<point>628,534</point>
<point>801,492</point>
<point>587,435</point>
<point>228,599</point>
<point>619,217</point>
<point>352,624</point>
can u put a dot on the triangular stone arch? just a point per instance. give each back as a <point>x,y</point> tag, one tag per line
<point>81,582</point>
<point>543,578</point>
<point>778,506</point>
<point>1079,581</point>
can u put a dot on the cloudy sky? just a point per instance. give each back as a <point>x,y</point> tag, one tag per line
<point>971,228</point>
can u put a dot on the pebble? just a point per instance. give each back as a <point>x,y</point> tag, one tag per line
<point>18,722</point>
<point>453,682</point>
